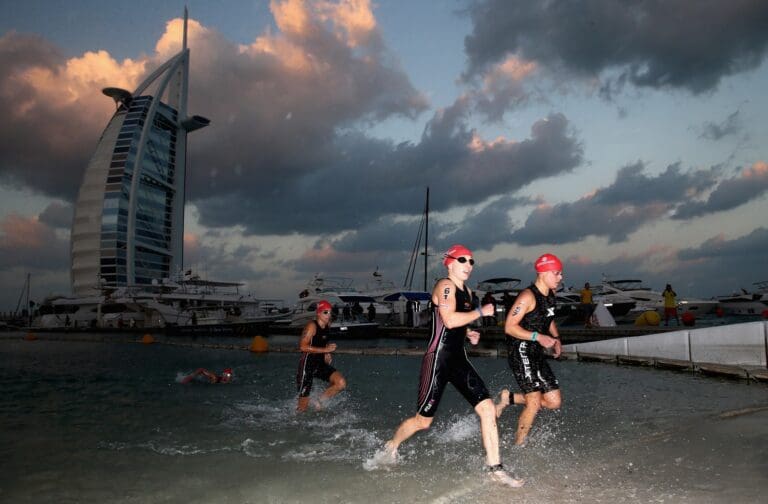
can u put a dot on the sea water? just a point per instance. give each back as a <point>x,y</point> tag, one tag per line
<point>110,422</point>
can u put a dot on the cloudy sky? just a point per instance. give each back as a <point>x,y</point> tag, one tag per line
<point>628,138</point>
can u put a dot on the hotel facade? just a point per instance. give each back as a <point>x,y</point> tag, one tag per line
<point>128,227</point>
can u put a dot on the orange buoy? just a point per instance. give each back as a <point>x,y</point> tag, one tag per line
<point>259,344</point>
<point>30,336</point>
<point>148,339</point>
<point>688,318</point>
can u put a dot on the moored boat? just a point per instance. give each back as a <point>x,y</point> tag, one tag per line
<point>745,302</point>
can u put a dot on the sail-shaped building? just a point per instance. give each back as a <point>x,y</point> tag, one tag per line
<point>128,226</point>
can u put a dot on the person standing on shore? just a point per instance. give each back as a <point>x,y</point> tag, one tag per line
<point>445,361</point>
<point>316,359</point>
<point>530,328</point>
<point>670,305</point>
<point>586,304</point>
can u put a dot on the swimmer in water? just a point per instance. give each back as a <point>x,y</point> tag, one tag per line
<point>446,362</point>
<point>224,377</point>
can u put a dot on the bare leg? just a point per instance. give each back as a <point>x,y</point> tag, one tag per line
<point>337,384</point>
<point>408,428</point>
<point>303,404</point>
<point>551,400</point>
<point>504,401</point>
<point>486,410</point>
<point>527,416</point>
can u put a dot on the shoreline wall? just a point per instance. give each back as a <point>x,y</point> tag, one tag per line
<point>733,345</point>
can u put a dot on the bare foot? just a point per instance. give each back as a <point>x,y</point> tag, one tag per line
<point>382,459</point>
<point>500,475</point>
<point>391,451</point>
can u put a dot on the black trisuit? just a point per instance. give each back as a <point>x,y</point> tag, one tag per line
<point>526,358</point>
<point>313,364</point>
<point>446,362</point>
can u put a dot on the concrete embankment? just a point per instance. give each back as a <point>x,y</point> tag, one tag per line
<point>737,351</point>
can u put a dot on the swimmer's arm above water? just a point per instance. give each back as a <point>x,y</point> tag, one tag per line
<point>200,371</point>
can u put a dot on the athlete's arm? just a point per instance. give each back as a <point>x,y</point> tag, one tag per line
<point>189,378</point>
<point>444,297</point>
<point>525,303</point>
<point>212,377</point>
<point>305,344</point>
<point>555,333</point>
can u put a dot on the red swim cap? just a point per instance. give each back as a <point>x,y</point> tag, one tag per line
<point>454,252</point>
<point>323,305</point>
<point>227,371</point>
<point>548,262</point>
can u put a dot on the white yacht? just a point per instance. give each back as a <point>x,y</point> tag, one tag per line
<point>187,303</point>
<point>407,307</point>
<point>617,304</point>
<point>351,309</point>
<point>648,299</point>
<point>745,302</point>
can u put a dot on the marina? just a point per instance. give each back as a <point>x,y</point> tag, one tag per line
<point>103,400</point>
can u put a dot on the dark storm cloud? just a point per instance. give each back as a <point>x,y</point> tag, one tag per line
<point>715,131</point>
<point>384,235</point>
<point>723,266</point>
<point>615,211</point>
<point>394,240</point>
<point>716,267</point>
<point>284,152</point>
<point>750,185</point>
<point>276,105</point>
<point>749,249</point>
<point>44,143</point>
<point>26,243</point>
<point>57,215</point>
<point>485,228</point>
<point>369,178</point>
<point>689,44</point>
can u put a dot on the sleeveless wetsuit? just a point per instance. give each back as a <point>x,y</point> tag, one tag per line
<point>313,364</point>
<point>446,362</point>
<point>526,358</point>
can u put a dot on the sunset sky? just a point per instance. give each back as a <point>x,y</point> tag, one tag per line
<point>628,138</point>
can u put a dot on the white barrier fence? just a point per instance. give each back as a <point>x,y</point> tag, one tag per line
<point>735,345</point>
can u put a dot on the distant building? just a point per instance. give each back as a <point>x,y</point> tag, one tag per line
<point>128,224</point>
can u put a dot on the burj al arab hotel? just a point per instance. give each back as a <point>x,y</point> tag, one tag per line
<point>128,226</point>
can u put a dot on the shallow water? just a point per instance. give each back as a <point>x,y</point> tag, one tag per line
<point>110,422</point>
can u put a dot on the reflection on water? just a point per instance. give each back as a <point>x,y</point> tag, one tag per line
<point>109,422</point>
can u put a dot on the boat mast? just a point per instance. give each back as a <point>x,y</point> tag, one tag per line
<point>426,239</point>
<point>414,260</point>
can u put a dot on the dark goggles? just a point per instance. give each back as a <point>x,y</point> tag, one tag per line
<point>463,259</point>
